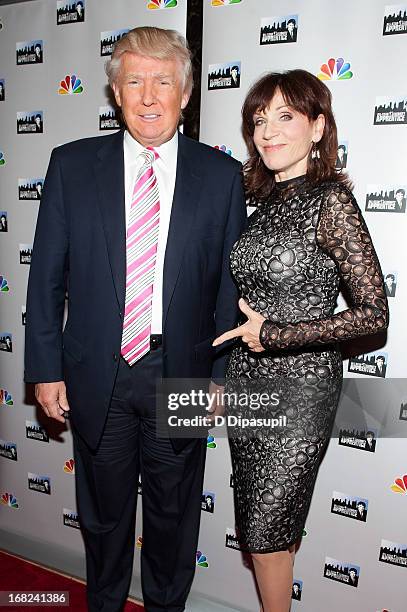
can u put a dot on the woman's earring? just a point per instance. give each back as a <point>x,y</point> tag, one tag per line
<point>315,154</point>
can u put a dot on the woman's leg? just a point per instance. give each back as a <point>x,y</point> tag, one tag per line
<point>274,575</point>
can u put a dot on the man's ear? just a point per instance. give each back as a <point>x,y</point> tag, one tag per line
<point>116,91</point>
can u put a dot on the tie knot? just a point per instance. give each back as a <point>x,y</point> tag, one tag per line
<point>149,154</point>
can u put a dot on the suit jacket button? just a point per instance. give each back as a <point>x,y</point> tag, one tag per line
<point>115,357</point>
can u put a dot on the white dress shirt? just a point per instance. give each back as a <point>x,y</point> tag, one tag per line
<point>165,168</point>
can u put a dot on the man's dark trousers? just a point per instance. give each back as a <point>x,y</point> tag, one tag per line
<point>107,483</point>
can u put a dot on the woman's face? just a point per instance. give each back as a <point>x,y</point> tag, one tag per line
<point>284,138</point>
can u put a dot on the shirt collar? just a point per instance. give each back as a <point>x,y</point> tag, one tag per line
<point>167,151</point>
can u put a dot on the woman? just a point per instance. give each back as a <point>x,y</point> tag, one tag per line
<point>306,235</point>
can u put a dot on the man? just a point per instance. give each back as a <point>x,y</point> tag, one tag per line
<point>38,123</point>
<point>390,285</point>
<point>361,511</point>
<point>380,366</point>
<point>140,308</point>
<point>80,11</point>
<point>38,53</point>
<point>400,200</point>
<point>291,30</point>
<point>341,157</point>
<point>353,577</point>
<point>235,81</point>
<point>370,441</point>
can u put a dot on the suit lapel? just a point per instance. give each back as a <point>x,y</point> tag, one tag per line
<point>186,195</point>
<point>109,169</point>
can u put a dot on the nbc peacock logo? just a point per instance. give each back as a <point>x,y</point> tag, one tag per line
<point>70,85</point>
<point>2,159</point>
<point>201,559</point>
<point>6,399</point>
<point>161,4</point>
<point>224,149</point>
<point>335,70</point>
<point>210,442</point>
<point>69,466</point>
<point>224,2</point>
<point>10,500</point>
<point>4,284</point>
<point>400,485</point>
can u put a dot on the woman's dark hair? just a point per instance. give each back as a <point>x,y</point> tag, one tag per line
<point>306,94</point>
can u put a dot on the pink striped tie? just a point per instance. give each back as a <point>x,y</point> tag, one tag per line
<point>141,253</point>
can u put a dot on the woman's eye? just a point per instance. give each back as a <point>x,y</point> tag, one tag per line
<point>286,117</point>
<point>258,121</point>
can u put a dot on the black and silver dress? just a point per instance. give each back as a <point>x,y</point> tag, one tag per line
<point>288,264</point>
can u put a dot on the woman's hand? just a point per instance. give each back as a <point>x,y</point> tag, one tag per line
<point>249,331</point>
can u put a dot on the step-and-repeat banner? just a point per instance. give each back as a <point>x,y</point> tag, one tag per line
<point>353,553</point>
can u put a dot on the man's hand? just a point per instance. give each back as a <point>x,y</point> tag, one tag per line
<point>249,331</point>
<point>52,399</point>
<point>218,407</point>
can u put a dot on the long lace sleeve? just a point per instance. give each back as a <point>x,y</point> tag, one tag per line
<point>342,233</point>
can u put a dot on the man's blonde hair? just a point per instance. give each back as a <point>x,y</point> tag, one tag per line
<point>156,43</point>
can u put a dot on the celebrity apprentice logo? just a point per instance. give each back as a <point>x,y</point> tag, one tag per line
<point>351,507</point>
<point>29,52</point>
<point>109,39</point>
<point>296,591</point>
<point>39,483</point>
<point>276,30</point>
<point>400,485</point>
<point>201,559</point>
<point>6,399</point>
<point>231,539</point>
<point>2,90</point>
<point>347,573</point>
<point>208,501</point>
<point>390,111</point>
<point>8,450</point>
<point>152,5</point>
<point>26,251</point>
<point>70,85</point>
<point>70,518</point>
<point>390,199</point>
<point>395,20</point>
<point>3,221</point>
<point>35,431</point>
<point>108,118</point>
<point>371,364</point>
<point>6,342</point>
<point>10,500</point>
<point>70,12</point>
<point>30,122</point>
<point>361,440</point>
<point>393,553</point>
<point>30,188</point>
<point>335,70</point>
<point>224,76</point>
<point>2,158</point>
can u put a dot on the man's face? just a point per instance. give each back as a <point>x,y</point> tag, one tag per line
<point>234,73</point>
<point>290,27</point>
<point>151,95</point>
<point>399,197</point>
<point>360,507</point>
<point>352,574</point>
<point>380,362</point>
<point>38,121</point>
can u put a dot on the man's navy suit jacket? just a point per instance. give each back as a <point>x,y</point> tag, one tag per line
<point>79,248</point>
